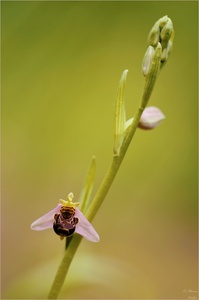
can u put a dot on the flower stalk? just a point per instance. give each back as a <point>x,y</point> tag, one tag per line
<point>160,42</point>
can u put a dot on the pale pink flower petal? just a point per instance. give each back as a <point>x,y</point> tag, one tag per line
<point>151,118</point>
<point>85,228</point>
<point>46,221</point>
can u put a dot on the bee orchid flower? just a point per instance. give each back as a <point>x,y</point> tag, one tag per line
<point>66,219</point>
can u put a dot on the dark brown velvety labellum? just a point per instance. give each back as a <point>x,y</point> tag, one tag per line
<point>65,221</point>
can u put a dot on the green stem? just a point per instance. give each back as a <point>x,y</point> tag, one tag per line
<point>95,205</point>
<point>64,267</point>
<point>109,177</point>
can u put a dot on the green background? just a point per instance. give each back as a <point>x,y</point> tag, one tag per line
<point>61,64</point>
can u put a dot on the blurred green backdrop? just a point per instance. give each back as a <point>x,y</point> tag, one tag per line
<point>61,64</point>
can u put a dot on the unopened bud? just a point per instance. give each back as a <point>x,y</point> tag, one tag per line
<point>162,21</point>
<point>147,60</point>
<point>151,118</point>
<point>166,31</point>
<point>162,32</point>
<point>154,35</point>
<point>166,52</point>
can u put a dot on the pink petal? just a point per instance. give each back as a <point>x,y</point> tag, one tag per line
<point>46,221</point>
<point>85,228</point>
<point>151,118</point>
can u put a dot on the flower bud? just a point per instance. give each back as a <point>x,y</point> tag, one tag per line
<point>154,35</point>
<point>162,21</point>
<point>151,118</point>
<point>166,52</point>
<point>162,32</point>
<point>147,60</point>
<point>166,31</point>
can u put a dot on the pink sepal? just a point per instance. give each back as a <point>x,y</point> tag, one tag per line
<point>46,221</point>
<point>151,118</point>
<point>85,228</point>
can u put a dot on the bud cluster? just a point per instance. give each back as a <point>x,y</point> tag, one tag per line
<point>160,42</point>
<point>162,32</point>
